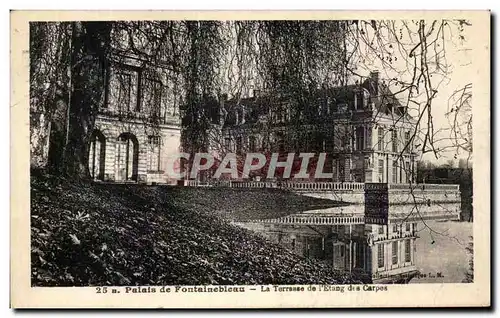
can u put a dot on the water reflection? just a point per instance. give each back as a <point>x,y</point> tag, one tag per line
<point>386,252</point>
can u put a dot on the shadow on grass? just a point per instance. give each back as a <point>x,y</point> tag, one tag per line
<point>86,234</point>
<point>236,204</point>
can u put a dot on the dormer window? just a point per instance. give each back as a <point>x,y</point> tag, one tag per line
<point>366,98</point>
<point>332,105</point>
<point>389,108</point>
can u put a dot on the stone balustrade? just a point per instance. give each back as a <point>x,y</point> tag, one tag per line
<point>379,201</point>
<point>299,186</point>
<point>323,186</point>
<point>317,220</point>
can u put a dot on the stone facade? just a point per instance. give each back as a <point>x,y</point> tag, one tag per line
<point>136,129</point>
<point>366,133</point>
<point>385,252</point>
<point>132,151</point>
<point>392,252</point>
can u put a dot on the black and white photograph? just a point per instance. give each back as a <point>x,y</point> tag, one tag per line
<point>253,156</point>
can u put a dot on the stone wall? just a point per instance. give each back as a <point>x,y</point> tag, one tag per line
<point>138,132</point>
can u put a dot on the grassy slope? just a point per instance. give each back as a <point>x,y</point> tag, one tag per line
<point>90,234</point>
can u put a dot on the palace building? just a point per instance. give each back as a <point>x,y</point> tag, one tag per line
<point>364,130</point>
<point>137,127</point>
<point>367,133</point>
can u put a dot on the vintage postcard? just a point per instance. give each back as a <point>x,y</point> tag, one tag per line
<point>250,159</point>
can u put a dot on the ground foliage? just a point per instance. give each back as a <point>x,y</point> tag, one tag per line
<point>92,234</point>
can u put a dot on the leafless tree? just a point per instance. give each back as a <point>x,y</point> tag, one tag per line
<point>208,59</point>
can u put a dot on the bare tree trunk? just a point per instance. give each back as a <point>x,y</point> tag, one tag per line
<point>90,41</point>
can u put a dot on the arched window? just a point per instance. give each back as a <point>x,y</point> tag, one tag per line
<point>127,157</point>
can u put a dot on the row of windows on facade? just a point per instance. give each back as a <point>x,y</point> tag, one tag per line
<point>405,168</point>
<point>394,140</point>
<point>124,88</point>
<point>360,142</point>
<point>284,115</point>
<point>395,252</point>
<point>327,107</point>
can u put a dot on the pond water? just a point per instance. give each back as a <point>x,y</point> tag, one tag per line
<point>426,251</point>
<point>441,247</point>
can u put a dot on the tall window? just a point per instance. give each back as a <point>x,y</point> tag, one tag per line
<point>402,173</point>
<point>380,229</point>
<point>227,143</point>
<point>408,227</point>
<point>360,138</point>
<point>124,91</point>
<point>239,144</point>
<point>153,97</point>
<point>394,252</point>
<point>409,172</point>
<point>407,142</point>
<point>381,170</point>
<point>394,171</point>
<point>341,169</point>
<point>394,138</point>
<point>237,117</point>
<point>154,153</point>
<point>380,139</point>
<point>343,142</point>
<point>380,255</point>
<point>252,143</point>
<point>407,251</point>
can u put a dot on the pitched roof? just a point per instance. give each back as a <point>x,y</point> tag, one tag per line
<point>259,106</point>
